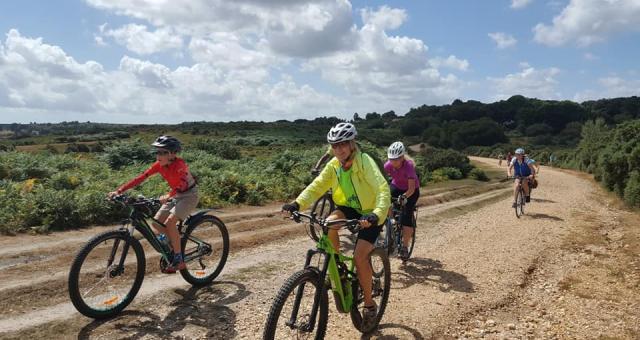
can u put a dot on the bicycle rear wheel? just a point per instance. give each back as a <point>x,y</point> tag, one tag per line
<point>381,286</point>
<point>290,314</point>
<point>322,208</point>
<point>99,285</point>
<point>412,242</point>
<point>205,244</point>
<point>388,240</point>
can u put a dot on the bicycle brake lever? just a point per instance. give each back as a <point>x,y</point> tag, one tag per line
<point>296,218</point>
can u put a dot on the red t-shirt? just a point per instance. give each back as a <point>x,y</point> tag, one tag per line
<point>175,173</point>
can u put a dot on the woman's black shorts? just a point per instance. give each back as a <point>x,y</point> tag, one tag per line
<point>369,234</point>
<point>407,214</point>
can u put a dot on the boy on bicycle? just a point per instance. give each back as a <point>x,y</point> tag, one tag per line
<point>179,202</point>
<point>404,182</point>
<point>360,192</point>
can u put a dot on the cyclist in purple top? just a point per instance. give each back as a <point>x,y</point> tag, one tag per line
<point>404,182</point>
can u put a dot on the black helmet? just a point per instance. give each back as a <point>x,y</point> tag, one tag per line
<point>167,142</point>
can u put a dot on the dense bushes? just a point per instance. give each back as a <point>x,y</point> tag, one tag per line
<point>221,148</point>
<point>124,153</point>
<point>616,160</point>
<point>60,191</point>
<point>431,159</point>
<point>478,175</point>
<point>459,135</point>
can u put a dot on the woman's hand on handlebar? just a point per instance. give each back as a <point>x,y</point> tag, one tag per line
<point>163,199</point>
<point>290,208</point>
<point>368,220</point>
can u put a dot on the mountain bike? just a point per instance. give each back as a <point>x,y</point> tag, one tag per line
<point>393,229</point>
<point>108,271</point>
<point>300,309</point>
<point>520,197</point>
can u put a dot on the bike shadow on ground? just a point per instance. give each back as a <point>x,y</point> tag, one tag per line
<point>542,200</point>
<point>539,216</point>
<point>200,312</point>
<point>406,332</point>
<point>428,271</point>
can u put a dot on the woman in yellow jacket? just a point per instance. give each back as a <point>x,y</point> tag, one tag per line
<point>359,191</point>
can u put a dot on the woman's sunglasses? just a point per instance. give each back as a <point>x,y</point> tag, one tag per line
<point>339,145</point>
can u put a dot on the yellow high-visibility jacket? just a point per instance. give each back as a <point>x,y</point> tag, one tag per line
<point>371,187</point>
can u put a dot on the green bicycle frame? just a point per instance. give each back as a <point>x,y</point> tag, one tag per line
<point>344,294</point>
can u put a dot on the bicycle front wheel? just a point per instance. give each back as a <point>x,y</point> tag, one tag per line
<point>290,314</point>
<point>106,274</point>
<point>519,203</point>
<point>381,286</point>
<point>205,245</point>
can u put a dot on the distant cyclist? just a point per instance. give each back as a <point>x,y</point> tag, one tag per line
<point>183,195</point>
<point>521,168</point>
<point>404,182</point>
<point>359,191</point>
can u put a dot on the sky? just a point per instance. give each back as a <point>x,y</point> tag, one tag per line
<point>170,61</point>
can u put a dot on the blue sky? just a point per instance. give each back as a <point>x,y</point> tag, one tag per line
<point>152,61</point>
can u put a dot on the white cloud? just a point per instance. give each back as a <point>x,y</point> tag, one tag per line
<point>37,75</point>
<point>518,4</point>
<point>99,40</point>
<point>41,79</point>
<point>503,40</point>
<point>450,62</point>
<point>312,30</point>
<point>139,40</point>
<point>383,71</point>
<point>590,56</point>
<point>385,18</point>
<point>303,28</point>
<point>238,59</point>
<point>149,74</point>
<point>610,87</point>
<point>585,22</point>
<point>529,82</point>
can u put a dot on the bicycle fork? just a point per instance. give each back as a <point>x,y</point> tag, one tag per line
<point>316,299</point>
<point>125,249</point>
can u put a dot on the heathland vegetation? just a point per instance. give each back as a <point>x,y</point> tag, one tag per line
<point>55,176</point>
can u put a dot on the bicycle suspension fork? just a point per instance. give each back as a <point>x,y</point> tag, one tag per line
<point>316,299</point>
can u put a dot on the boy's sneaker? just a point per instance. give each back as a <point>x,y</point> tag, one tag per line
<point>177,264</point>
<point>528,199</point>
<point>514,205</point>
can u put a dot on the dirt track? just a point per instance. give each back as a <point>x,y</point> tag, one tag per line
<point>568,269</point>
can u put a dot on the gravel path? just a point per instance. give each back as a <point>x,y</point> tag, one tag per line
<point>568,269</point>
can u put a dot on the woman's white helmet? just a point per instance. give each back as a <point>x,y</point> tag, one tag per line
<point>519,151</point>
<point>396,150</point>
<point>341,132</point>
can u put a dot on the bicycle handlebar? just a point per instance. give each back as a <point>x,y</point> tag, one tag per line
<point>139,200</point>
<point>353,225</point>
